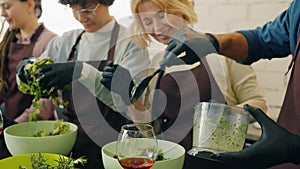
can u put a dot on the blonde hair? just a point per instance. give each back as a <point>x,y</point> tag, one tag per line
<point>182,7</point>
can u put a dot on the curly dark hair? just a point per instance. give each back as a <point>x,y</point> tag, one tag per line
<point>84,2</point>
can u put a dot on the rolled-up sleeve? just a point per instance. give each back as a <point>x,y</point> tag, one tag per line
<point>271,40</point>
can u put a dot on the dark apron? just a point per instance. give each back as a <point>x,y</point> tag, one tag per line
<point>84,109</point>
<point>181,91</point>
<point>15,101</point>
<point>289,116</point>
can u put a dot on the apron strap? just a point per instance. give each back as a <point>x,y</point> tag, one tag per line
<point>292,63</point>
<point>73,50</point>
<point>112,45</point>
<point>39,30</point>
<point>113,42</point>
<point>68,110</point>
<point>34,37</point>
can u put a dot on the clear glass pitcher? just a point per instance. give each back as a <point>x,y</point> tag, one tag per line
<point>219,128</point>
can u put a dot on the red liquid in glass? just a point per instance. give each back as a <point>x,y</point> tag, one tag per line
<point>136,163</point>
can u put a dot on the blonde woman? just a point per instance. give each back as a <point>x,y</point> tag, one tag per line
<point>159,20</point>
<point>179,88</point>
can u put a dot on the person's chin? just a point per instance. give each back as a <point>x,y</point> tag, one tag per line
<point>163,39</point>
<point>12,27</point>
<point>165,42</point>
<point>89,29</point>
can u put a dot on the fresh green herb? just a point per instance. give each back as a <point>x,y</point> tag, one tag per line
<point>33,87</point>
<point>160,156</point>
<point>70,163</point>
<point>39,162</point>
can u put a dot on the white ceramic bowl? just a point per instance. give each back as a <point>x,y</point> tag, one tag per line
<point>19,139</point>
<point>174,153</point>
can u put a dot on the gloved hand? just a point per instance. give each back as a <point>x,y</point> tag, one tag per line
<point>194,44</point>
<point>7,121</point>
<point>22,72</point>
<point>118,80</point>
<point>275,146</point>
<point>59,74</point>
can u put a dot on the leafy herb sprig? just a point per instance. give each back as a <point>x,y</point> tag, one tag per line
<point>33,87</point>
<point>39,162</point>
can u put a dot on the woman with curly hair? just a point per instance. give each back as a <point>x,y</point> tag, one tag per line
<point>80,56</point>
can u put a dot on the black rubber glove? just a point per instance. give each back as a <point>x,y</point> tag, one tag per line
<point>275,146</point>
<point>118,80</point>
<point>59,74</point>
<point>7,121</point>
<point>195,45</point>
<point>22,72</point>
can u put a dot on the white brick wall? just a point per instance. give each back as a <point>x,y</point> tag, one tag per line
<point>218,16</point>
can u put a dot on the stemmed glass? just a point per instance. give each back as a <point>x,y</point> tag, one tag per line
<point>137,146</point>
<point>1,122</point>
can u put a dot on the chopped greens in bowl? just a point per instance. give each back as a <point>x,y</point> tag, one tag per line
<point>41,136</point>
<point>59,127</point>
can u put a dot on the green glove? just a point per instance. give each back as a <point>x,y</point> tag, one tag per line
<point>275,146</point>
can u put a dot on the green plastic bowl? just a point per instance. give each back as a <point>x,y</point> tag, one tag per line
<point>19,139</point>
<point>24,160</point>
<point>174,153</point>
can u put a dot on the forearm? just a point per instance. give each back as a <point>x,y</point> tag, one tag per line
<point>90,77</point>
<point>233,45</point>
<point>46,111</point>
<point>139,113</point>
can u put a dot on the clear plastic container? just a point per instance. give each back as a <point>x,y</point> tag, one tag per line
<point>219,128</point>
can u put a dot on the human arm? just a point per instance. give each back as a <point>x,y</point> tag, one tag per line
<point>131,58</point>
<point>62,71</point>
<point>118,80</point>
<point>273,39</point>
<point>233,45</point>
<point>6,121</point>
<point>59,74</point>
<point>277,38</point>
<point>46,111</point>
<point>46,105</point>
<point>275,146</point>
<point>187,46</point>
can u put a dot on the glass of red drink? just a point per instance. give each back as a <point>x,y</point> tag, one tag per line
<point>137,146</point>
